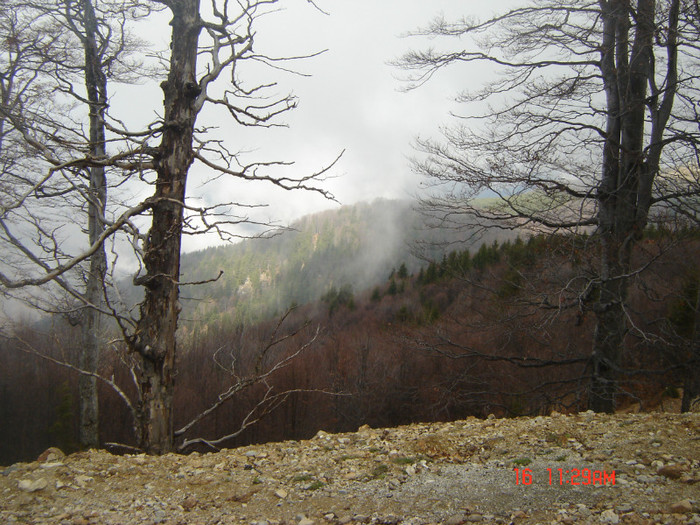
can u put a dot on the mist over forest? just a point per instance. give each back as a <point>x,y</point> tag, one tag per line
<point>356,247</point>
<point>548,264</point>
<point>378,332</point>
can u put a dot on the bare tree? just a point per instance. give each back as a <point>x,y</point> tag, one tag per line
<point>229,40</point>
<point>201,52</point>
<point>104,42</point>
<point>43,40</point>
<point>589,123</point>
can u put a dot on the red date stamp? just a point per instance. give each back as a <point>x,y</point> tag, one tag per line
<point>574,476</point>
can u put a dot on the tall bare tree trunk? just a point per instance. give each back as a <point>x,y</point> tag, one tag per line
<point>96,86</point>
<point>155,334</point>
<point>622,195</point>
<point>610,329</point>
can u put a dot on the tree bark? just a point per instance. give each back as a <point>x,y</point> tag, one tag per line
<point>96,87</point>
<point>155,334</point>
<point>691,372</point>
<point>623,187</point>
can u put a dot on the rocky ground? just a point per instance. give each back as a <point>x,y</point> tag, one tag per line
<point>452,473</point>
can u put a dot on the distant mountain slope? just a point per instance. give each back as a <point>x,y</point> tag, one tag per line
<point>354,246</point>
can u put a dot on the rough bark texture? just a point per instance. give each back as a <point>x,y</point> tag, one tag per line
<point>691,379</point>
<point>96,86</point>
<point>155,336</point>
<point>624,194</point>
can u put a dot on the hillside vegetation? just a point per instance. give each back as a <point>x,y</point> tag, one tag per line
<point>504,328</point>
<point>353,246</point>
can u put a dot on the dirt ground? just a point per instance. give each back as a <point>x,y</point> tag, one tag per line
<point>584,468</point>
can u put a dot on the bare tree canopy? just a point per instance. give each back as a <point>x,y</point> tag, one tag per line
<point>63,147</point>
<point>588,119</point>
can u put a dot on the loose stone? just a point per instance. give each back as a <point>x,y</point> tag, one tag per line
<point>681,507</point>
<point>32,485</point>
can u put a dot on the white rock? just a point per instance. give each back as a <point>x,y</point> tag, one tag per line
<point>583,510</point>
<point>609,516</point>
<point>82,480</point>
<point>51,465</point>
<point>32,485</point>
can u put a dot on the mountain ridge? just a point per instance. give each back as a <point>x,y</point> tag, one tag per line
<point>355,246</point>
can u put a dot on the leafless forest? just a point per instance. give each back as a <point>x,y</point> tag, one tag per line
<point>574,135</point>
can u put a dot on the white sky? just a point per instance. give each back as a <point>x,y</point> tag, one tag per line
<point>353,102</point>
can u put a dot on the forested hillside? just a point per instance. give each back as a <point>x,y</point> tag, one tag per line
<point>504,328</point>
<point>353,247</point>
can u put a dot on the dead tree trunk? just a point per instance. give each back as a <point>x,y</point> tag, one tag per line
<point>155,334</point>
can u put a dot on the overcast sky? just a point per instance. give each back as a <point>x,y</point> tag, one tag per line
<point>352,101</point>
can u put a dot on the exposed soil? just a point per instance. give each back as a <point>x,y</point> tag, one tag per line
<point>460,472</point>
